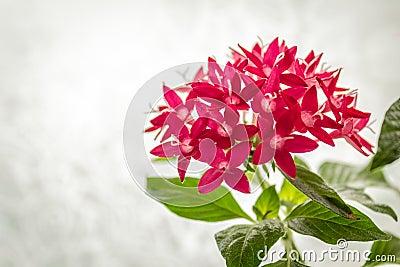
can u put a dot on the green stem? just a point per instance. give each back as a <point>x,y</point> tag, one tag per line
<point>264,184</point>
<point>290,245</point>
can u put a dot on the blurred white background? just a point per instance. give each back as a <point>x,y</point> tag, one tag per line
<point>68,70</point>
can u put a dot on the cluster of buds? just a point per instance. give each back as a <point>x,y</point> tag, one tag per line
<point>260,107</point>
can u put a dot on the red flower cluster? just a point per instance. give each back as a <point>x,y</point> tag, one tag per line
<point>265,104</point>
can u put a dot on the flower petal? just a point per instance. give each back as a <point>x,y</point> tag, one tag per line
<point>183,164</point>
<point>285,123</point>
<point>327,122</point>
<point>266,126</point>
<point>253,58</point>
<point>263,153</point>
<point>285,161</point>
<point>300,144</point>
<point>236,179</point>
<point>214,71</point>
<point>238,154</point>
<point>198,127</point>
<point>287,59</point>
<point>271,53</point>
<point>356,144</point>
<point>273,81</point>
<point>160,119</point>
<point>210,181</point>
<point>208,151</point>
<point>171,97</point>
<point>293,80</point>
<point>166,150</point>
<point>322,135</point>
<point>310,100</point>
<point>230,116</point>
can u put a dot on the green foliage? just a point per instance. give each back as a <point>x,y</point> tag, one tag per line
<point>361,197</point>
<point>267,205</point>
<point>388,144</point>
<point>239,244</point>
<point>341,174</point>
<point>325,215</point>
<point>383,252</point>
<point>315,188</point>
<point>185,201</point>
<point>316,220</point>
<point>290,195</point>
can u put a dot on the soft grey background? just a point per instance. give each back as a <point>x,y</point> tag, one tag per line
<point>68,70</point>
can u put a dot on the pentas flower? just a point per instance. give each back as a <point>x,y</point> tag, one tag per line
<point>278,143</point>
<point>350,132</point>
<point>185,146</point>
<point>263,106</point>
<point>226,129</point>
<point>223,88</point>
<point>174,114</point>
<point>224,167</point>
<point>310,118</point>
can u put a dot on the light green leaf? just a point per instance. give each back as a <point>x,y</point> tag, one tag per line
<point>185,200</point>
<point>239,244</point>
<point>340,174</point>
<point>315,188</point>
<point>290,194</point>
<point>316,220</point>
<point>267,205</point>
<point>385,252</point>
<point>361,197</point>
<point>301,162</point>
<point>388,144</point>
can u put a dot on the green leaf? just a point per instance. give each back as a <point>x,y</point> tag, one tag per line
<point>300,162</point>
<point>284,263</point>
<point>291,194</point>
<point>265,168</point>
<point>185,200</point>
<point>248,165</point>
<point>390,250</point>
<point>388,143</point>
<point>267,205</point>
<point>361,197</point>
<point>159,159</point>
<point>240,244</point>
<point>341,174</point>
<point>315,220</point>
<point>315,188</point>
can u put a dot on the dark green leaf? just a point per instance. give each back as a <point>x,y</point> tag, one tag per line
<point>268,204</point>
<point>384,252</point>
<point>239,244</point>
<point>341,174</point>
<point>248,166</point>
<point>315,220</point>
<point>185,200</point>
<point>315,188</point>
<point>389,139</point>
<point>361,197</point>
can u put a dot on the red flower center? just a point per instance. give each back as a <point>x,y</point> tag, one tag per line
<point>307,118</point>
<point>186,147</point>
